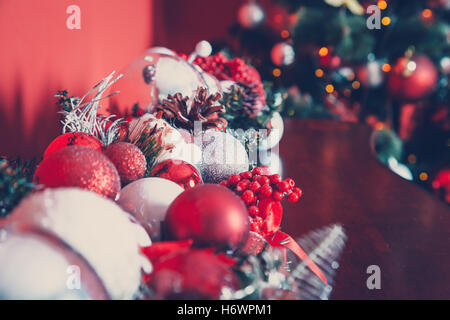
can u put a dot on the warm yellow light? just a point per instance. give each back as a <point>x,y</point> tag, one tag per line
<point>379,125</point>
<point>386,21</point>
<point>423,176</point>
<point>427,13</point>
<point>323,51</point>
<point>276,72</point>
<point>412,158</point>
<point>356,85</point>
<point>319,73</point>
<point>386,67</point>
<point>329,88</point>
<point>382,5</point>
<point>284,34</point>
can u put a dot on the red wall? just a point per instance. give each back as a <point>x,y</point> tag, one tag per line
<point>40,55</point>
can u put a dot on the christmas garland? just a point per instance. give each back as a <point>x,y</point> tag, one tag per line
<point>175,176</point>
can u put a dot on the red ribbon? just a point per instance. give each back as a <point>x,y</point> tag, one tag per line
<point>282,240</point>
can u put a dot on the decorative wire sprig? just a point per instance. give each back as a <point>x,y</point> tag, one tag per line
<point>83,115</point>
<point>324,246</point>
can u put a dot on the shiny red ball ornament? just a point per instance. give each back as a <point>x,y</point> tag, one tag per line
<point>412,79</point>
<point>210,215</point>
<point>192,274</point>
<point>178,171</point>
<point>128,159</point>
<point>73,139</point>
<point>81,167</point>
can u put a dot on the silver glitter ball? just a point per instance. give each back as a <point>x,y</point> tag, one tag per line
<point>222,156</point>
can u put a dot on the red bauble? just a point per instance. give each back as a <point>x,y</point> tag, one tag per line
<point>192,274</point>
<point>209,214</point>
<point>80,167</point>
<point>413,79</point>
<point>128,159</point>
<point>178,171</point>
<point>73,139</point>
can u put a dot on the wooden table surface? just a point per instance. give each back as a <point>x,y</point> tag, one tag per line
<point>390,222</point>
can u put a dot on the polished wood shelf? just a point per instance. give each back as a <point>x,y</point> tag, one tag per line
<point>390,222</point>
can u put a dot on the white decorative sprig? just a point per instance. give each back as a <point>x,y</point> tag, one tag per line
<point>324,247</point>
<point>83,116</point>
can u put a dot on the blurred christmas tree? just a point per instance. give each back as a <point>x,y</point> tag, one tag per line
<point>385,63</point>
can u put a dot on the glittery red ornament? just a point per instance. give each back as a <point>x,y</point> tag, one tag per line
<point>79,166</point>
<point>192,274</point>
<point>73,139</point>
<point>413,79</point>
<point>178,171</point>
<point>128,159</point>
<point>210,215</point>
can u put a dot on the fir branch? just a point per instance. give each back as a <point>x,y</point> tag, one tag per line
<point>150,147</point>
<point>65,102</point>
<point>15,184</point>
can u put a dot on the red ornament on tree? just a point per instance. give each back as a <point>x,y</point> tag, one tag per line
<point>178,171</point>
<point>210,215</point>
<point>80,167</point>
<point>128,159</point>
<point>413,78</point>
<point>73,139</point>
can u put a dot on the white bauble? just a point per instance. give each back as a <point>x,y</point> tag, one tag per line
<point>161,50</point>
<point>147,200</point>
<point>169,138</point>
<point>227,85</point>
<point>222,156</point>
<point>38,267</point>
<point>188,152</point>
<point>95,227</point>
<point>212,83</point>
<point>275,134</point>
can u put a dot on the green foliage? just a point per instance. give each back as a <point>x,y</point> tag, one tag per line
<point>150,147</point>
<point>387,144</point>
<point>64,101</point>
<point>14,185</point>
<point>345,32</point>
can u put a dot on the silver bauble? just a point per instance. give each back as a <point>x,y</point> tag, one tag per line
<point>150,78</point>
<point>40,267</point>
<point>222,156</point>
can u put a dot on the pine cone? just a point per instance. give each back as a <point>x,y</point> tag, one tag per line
<point>251,98</point>
<point>182,112</point>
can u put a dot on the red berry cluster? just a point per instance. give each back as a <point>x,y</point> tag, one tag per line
<point>259,186</point>
<point>234,69</point>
